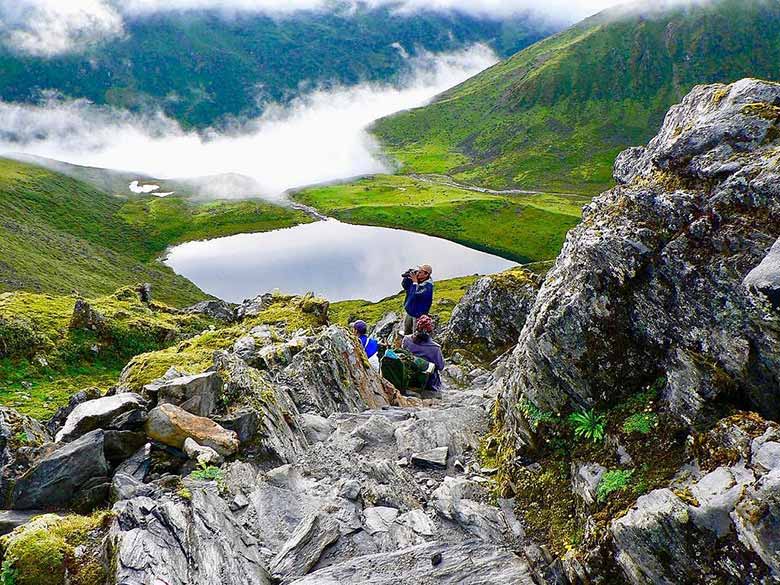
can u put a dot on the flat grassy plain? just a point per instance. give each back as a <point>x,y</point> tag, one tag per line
<point>521,227</point>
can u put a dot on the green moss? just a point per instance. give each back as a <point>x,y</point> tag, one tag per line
<point>642,422</point>
<point>43,551</point>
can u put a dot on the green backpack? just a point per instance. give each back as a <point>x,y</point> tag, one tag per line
<point>405,370</point>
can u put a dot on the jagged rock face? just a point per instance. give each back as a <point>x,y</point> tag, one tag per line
<point>20,439</point>
<point>489,317</point>
<point>332,375</point>
<point>651,283</point>
<point>74,474</point>
<point>178,542</point>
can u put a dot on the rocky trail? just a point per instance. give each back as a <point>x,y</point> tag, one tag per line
<point>389,495</point>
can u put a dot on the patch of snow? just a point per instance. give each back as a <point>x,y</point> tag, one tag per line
<point>135,187</point>
<point>163,194</point>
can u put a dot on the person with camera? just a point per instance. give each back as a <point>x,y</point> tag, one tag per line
<point>418,286</point>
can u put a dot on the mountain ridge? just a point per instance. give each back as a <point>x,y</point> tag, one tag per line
<point>555,115</point>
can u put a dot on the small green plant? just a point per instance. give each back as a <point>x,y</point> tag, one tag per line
<point>589,425</point>
<point>642,422</point>
<point>22,437</point>
<point>535,415</point>
<point>184,493</point>
<point>8,573</point>
<point>613,481</point>
<point>207,473</point>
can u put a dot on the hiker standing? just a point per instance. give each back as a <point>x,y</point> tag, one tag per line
<point>370,345</point>
<point>421,345</point>
<point>419,295</point>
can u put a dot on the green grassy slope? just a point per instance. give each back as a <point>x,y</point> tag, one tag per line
<point>58,234</point>
<point>525,228</point>
<point>555,115</point>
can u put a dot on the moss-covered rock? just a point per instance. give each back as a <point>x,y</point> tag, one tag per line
<point>56,551</point>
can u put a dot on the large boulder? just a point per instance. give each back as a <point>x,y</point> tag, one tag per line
<point>198,393</point>
<point>216,309</point>
<point>488,319</point>
<point>650,286</point>
<point>75,473</point>
<point>171,425</point>
<point>98,414</point>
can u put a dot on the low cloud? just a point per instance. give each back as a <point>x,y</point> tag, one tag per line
<point>319,137</point>
<point>50,27</point>
<point>44,28</point>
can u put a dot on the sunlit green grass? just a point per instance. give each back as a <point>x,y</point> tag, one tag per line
<point>525,228</point>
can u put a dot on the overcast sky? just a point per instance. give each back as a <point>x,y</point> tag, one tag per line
<point>52,27</point>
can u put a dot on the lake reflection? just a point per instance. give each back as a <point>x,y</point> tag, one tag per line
<point>337,260</point>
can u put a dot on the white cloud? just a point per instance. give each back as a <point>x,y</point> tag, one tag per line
<point>49,27</point>
<point>320,136</point>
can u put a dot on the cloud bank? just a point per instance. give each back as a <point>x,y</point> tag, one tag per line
<point>319,137</point>
<point>51,27</point>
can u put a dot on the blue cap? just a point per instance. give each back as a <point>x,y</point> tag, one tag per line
<point>360,327</point>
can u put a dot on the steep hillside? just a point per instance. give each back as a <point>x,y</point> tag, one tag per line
<point>59,234</point>
<point>200,66</point>
<point>555,115</point>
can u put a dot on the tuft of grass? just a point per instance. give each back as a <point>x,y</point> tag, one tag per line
<point>207,473</point>
<point>535,415</point>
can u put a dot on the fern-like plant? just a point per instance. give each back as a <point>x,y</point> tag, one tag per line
<point>589,425</point>
<point>613,481</point>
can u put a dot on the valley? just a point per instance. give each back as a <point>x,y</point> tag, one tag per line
<point>185,395</point>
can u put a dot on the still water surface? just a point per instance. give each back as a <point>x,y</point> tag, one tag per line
<point>337,260</point>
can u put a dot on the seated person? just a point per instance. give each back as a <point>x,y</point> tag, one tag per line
<point>370,345</point>
<point>421,345</point>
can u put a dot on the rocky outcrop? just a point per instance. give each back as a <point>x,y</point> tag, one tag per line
<point>488,319</point>
<point>216,309</point>
<point>720,526</point>
<point>332,374</point>
<point>177,541</point>
<point>650,285</point>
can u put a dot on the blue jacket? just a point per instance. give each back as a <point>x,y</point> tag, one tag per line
<point>419,297</point>
<point>370,345</point>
